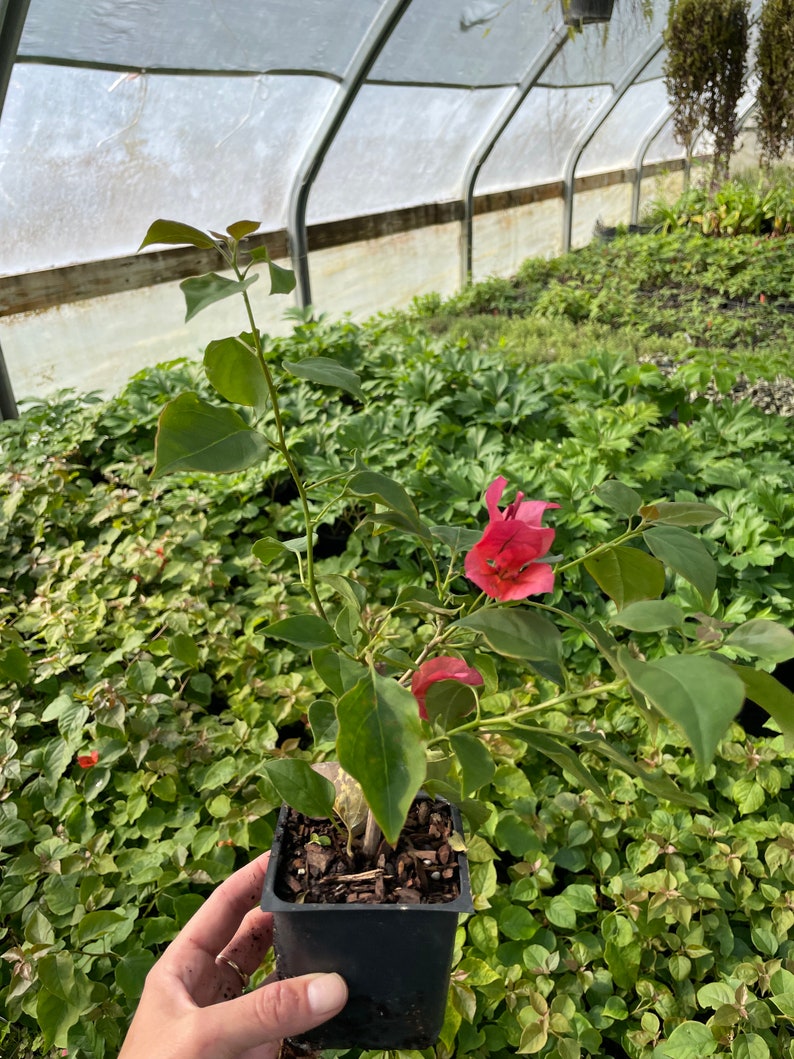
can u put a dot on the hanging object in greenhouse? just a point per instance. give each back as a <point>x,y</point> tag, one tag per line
<point>586,12</point>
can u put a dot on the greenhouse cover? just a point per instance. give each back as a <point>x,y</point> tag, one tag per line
<point>388,147</point>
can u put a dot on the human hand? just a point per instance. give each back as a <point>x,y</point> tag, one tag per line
<point>192,1005</point>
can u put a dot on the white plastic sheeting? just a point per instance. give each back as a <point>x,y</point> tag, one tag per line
<point>208,111</point>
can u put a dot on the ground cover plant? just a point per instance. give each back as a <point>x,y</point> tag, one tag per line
<point>714,301</point>
<point>136,714</point>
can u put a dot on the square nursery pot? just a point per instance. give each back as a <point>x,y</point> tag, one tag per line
<point>586,12</point>
<point>395,958</point>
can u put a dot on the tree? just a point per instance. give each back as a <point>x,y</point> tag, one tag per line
<point>705,72</point>
<point>775,70</point>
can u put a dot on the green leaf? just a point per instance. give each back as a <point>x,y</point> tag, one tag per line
<point>184,649</point>
<point>266,549</point>
<point>176,233</point>
<point>234,370</point>
<point>626,574</point>
<point>325,372</point>
<point>193,435</point>
<point>517,632</point>
<point>447,701</point>
<point>649,616</point>
<point>55,1018</point>
<point>300,786</point>
<point>476,762</point>
<point>131,971</point>
<point>764,639</point>
<point>282,280</point>
<point>683,514</point>
<point>771,696</point>
<point>700,694</point>
<point>99,924</point>
<point>548,745</point>
<point>686,554</point>
<point>392,495</point>
<point>750,1046</point>
<point>689,1040</point>
<point>322,721</point>
<point>380,745</point>
<point>203,291</point>
<point>338,672</point>
<point>619,497</point>
<point>304,630</point>
<point>15,665</point>
<point>458,538</point>
<point>240,229</point>
<point>13,831</point>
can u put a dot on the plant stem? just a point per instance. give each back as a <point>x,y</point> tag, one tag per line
<point>372,837</point>
<point>283,448</point>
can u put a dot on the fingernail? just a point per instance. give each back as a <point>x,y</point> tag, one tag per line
<point>326,993</point>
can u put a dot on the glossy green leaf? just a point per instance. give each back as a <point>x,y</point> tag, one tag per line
<point>234,370</point>
<point>699,693</point>
<point>304,630</point>
<point>300,786</point>
<point>476,761</point>
<point>203,291</point>
<point>686,554</point>
<point>681,514</point>
<point>651,615</point>
<point>392,495</point>
<point>768,640</point>
<point>619,497</point>
<point>517,632</point>
<point>772,696</point>
<point>176,234</point>
<point>626,575</point>
<point>193,435</point>
<point>325,372</point>
<point>380,744</point>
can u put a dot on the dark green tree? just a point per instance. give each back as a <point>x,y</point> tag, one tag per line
<point>775,68</point>
<point>705,72</point>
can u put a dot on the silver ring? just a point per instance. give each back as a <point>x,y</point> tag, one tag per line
<point>244,978</point>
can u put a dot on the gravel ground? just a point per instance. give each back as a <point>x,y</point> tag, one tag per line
<point>775,397</point>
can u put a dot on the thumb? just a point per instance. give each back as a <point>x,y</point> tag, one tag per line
<point>277,1010</point>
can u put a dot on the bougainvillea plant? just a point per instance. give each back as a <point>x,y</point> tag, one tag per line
<point>412,704</point>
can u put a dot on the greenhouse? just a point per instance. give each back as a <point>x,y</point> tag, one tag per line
<point>397,606</point>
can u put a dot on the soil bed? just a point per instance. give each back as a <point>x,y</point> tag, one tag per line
<point>422,869</point>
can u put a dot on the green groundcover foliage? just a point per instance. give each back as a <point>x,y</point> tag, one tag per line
<point>139,695</point>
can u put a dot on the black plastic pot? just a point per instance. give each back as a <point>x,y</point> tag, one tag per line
<point>396,959</point>
<point>586,12</point>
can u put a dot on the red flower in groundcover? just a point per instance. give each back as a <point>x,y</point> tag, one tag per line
<point>504,562</point>
<point>87,761</point>
<point>445,667</point>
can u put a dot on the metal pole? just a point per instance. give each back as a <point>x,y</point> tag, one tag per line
<point>481,152</point>
<point>362,62</point>
<point>12,19</point>
<point>592,127</point>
